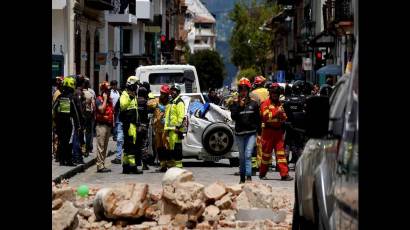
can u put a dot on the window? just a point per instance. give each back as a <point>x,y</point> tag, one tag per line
<point>168,78</point>
<point>126,41</point>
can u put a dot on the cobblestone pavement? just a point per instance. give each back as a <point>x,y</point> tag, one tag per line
<point>203,173</point>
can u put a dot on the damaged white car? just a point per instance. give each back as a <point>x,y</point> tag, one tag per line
<point>210,129</point>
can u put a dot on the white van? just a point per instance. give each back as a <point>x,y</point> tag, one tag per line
<point>156,75</point>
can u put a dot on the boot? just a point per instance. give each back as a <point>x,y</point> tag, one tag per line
<point>287,178</point>
<point>254,170</point>
<point>249,178</point>
<point>242,179</point>
<point>135,170</point>
<point>125,169</point>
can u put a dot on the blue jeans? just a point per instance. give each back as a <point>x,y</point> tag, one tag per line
<point>77,155</point>
<point>246,144</point>
<point>120,139</point>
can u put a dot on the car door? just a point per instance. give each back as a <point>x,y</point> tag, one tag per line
<point>346,184</point>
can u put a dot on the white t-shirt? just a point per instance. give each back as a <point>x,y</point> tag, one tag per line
<point>115,96</point>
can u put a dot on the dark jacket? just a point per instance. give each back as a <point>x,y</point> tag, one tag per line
<point>247,119</point>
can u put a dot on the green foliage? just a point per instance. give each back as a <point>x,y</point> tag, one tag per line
<point>250,45</point>
<point>249,73</point>
<point>210,68</point>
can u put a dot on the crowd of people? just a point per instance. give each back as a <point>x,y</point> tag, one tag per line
<point>78,112</point>
<point>259,111</point>
<point>262,124</point>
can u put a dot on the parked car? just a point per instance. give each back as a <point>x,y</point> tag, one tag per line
<point>209,135</point>
<point>326,174</point>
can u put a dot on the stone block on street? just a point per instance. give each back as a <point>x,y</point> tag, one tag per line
<point>211,213</point>
<point>215,191</point>
<point>164,219</point>
<point>176,175</point>
<point>64,194</point>
<point>65,217</point>
<point>225,202</point>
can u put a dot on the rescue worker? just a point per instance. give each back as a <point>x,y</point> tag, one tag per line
<point>272,137</point>
<point>174,117</point>
<point>262,94</point>
<point>128,117</point>
<point>78,139</point>
<point>142,125</point>
<point>67,121</point>
<point>245,113</point>
<point>104,123</point>
<point>158,105</point>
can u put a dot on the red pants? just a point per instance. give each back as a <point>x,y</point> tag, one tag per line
<point>273,139</point>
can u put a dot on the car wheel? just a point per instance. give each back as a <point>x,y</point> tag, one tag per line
<point>217,139</point>
<point>234,162</point>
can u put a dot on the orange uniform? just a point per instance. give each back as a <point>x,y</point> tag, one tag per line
<point>272,137</point>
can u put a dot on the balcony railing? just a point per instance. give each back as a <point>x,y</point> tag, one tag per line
<point>335,11</point>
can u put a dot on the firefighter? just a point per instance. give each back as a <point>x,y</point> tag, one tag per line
<point>272,137</point>
<point>158,105</point>
<point>174,117</point>
<point>262,94</point>
<point>245,113</point>
<point>67,121</point>
<point>128,117</point>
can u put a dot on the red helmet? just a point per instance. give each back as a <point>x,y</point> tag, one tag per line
<point>165,89</point>
<point>245,82</point>
<point>259,80</point>
<point>275,88</point>
<point>105,85</point>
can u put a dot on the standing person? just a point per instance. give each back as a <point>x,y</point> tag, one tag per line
<point>128,117</point>
<point>118,132</point>
<point>78,138</point>
<point>56,93</point>
<point>104,123</point>
<point>174,116</point>
<point>245,113</point>
<point>89,115</point>
<point>67,121</point>
<point>262,94</point>
<point>272,116</point>
<point>159,142</point>
<point>142,125</point>
<point>213,96</point>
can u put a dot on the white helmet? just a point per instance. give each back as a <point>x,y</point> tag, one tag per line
<point>132,80</point>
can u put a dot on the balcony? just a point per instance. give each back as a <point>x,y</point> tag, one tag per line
<point>99,4</point>
<point>128,13</point>
<point>204,32</point>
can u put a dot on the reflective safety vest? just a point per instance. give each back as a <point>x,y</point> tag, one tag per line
<point>127,104</point>
<point>174,114</point>
<point>64,105</point>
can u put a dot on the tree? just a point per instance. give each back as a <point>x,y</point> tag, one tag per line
<point>249,73</point>
<point>250,45</point>
<point>210,68</point>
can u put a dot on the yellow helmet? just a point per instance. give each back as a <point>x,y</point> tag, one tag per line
<point>69,81</point>
<point>132,80</point>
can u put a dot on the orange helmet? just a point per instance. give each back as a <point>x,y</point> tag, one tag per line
<point>245,82</point>
<point>259,80</point>
<point>105,85</point>
<point>165,89</point>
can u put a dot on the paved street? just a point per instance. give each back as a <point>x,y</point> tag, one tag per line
<point>203,173</point>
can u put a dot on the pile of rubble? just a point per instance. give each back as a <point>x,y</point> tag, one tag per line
<point>182,203</point>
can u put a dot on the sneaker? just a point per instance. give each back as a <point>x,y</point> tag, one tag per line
<point>116,161</point>
<point>287,178</point>
<point>103,170</point>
